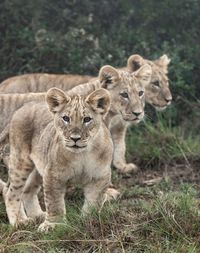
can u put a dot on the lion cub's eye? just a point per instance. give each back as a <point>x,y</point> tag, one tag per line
<point>124,94</point>
<point>141,93</point>
<point>66,118</point>
<point>87,119</point>
<point>156,83</point>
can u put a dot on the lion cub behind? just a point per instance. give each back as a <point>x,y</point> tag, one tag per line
<point>68,144</point>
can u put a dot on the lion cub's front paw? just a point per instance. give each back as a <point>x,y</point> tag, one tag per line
<point>111,194</point>
<point>47,226</point>
<point>40,217</point>
<point>24,222</point>
<point>128,168</point>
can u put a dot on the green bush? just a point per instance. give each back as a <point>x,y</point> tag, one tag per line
<point>80,36</point>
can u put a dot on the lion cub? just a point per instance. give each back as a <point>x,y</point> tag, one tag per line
<point>68,144</point>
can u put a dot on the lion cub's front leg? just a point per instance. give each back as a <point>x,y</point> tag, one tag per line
<point>118,132</point>
<point>54,192</point>
<point>95,194</point>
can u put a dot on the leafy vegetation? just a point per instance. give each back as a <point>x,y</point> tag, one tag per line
<point>80,36</point>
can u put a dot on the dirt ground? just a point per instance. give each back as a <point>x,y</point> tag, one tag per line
<point>178,172</point>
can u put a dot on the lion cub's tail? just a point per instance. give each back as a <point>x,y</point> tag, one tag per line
<point>4,135</point>
<point>2,185</point>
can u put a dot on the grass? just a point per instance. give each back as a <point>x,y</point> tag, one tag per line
<point>162,143</point>
<point>161,218</point>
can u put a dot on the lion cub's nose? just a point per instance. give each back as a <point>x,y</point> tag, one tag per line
<point>75,137</point>
<point>136,113</point>
<point>168,100</point>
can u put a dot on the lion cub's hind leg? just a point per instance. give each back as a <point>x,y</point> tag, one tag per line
<point>30,196</point>
<point>20,167</point>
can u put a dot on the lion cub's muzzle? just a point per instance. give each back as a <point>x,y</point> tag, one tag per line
<point>76,142</point>
<point>163,106</point>
<point>168,101</point>
<point>134,117</point>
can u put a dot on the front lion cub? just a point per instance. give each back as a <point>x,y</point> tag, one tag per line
<point>68,144</point>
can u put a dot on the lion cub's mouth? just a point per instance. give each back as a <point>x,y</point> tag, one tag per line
<point>129,118</point>
<point>160,108</point>
<point>77,147</point>
<point>135,119</point>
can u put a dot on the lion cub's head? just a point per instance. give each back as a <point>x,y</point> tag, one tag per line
<point>157,91</point>
<point>126,90</point>
<point>77,119</point>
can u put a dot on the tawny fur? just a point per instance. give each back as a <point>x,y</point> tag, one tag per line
<point>157,92</point>
<point>117,82</point>
<point>157,95</point>
<point>67,144</point>
<point>41,82</point>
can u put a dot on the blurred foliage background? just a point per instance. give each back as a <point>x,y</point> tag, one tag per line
<point>76,36</point>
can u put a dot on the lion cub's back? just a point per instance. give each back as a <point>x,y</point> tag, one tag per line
<point>33,115</point>
<point>9,103</point>
<point>41,82</point>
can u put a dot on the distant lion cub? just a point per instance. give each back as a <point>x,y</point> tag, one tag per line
<point>70,144</point>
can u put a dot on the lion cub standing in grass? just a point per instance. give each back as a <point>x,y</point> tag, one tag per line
<point>70,144</point>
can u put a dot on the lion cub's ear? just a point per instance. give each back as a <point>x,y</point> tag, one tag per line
<point>56,99</point>
<point>134,62</point>
<point>144,74</point>
<point>108,77</point>
<point>163,62</point>
<point>99,100</point>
